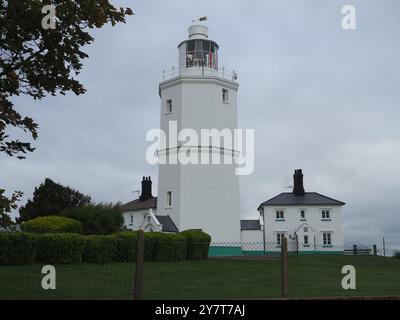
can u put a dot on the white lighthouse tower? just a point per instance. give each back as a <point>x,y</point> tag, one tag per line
<point>197,95</point>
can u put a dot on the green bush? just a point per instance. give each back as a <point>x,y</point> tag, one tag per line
<point>52,224</point>
<point>125,246</point>
<point>17,248</point>
<point>198,244</point>
<point>397,255</point>
<point>100,219</point>
<point>99,249</point>
<point>64,248</point>
<point>150,245</point>
<point>69,248</point>
<point>166,247</point>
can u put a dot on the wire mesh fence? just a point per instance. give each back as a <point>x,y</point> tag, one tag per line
<point>163,269</point>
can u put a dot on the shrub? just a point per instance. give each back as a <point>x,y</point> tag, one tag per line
<point>100,219</point>
<point>166,247</point>
<point>65,248</point>
<point>397,255</point>
<point>98,249</point>
<point>17,248</point>
<point>52,224</point>
<point>125,246</point>
<point>198,243</point>
<point>150,244</point>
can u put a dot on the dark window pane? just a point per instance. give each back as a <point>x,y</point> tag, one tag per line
<point>206,46</point>
<point>190,45</point>
<point>199,45</point>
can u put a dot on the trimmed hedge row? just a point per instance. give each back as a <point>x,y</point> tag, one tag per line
<point>52,224</point>
<point>59,248</point>
<point>19,248</point>
<point>198,243</point>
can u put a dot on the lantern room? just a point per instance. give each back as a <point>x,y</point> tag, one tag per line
<point>198,51</point>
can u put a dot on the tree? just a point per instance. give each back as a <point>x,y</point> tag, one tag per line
<point>97,219</point>
<point>35,61</point>
<point>50,199</point>
<point>6,205</point>
<point>5,220</point>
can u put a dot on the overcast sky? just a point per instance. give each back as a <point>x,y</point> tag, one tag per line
<point>318,97</point>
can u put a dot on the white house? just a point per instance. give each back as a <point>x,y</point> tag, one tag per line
<point>309,220</point>
<point>142,213</point>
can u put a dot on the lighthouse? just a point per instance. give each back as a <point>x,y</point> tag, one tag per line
<point>199,95</point>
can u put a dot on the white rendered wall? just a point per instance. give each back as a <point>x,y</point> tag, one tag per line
<point>139,219</point>
<point>314,220</point>
<point>203,196</point>
<point>252,240</point>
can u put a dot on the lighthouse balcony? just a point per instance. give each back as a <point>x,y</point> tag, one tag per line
<point>199,71</point>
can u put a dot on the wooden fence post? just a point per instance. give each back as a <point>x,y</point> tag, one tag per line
<point>384,247</point>
<point>138,291</point>
<point>284,268</point>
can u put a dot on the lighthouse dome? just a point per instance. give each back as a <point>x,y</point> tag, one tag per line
<point>198,31</point>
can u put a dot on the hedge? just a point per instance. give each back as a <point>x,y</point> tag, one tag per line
<point>198,243</point>
<point>99,249</point>
<point>64,248</point>
<point>125,246</point>
<point>167,247</point>
<point>17,248</point>
<point>52,224</point>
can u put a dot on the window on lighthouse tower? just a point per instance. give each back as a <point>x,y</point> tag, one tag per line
<point>169,199</point>
<point>225,95</point>
<point>169,106</point>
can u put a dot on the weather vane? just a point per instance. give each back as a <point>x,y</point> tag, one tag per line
<point>200,19</point>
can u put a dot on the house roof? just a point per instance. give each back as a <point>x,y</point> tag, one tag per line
<point>167,224</point>
<point>250,225</point>
<point>138,205</point>
<point>309,198</point>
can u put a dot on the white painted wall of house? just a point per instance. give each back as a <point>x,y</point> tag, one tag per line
<point>141,218</point>
<point>292,222</point>
<point>252,240</point>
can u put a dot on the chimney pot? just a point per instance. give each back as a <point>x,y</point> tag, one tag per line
<point>146,189</point>
<point>298,187</point>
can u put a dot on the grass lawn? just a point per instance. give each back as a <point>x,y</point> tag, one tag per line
<point>309,276</point>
